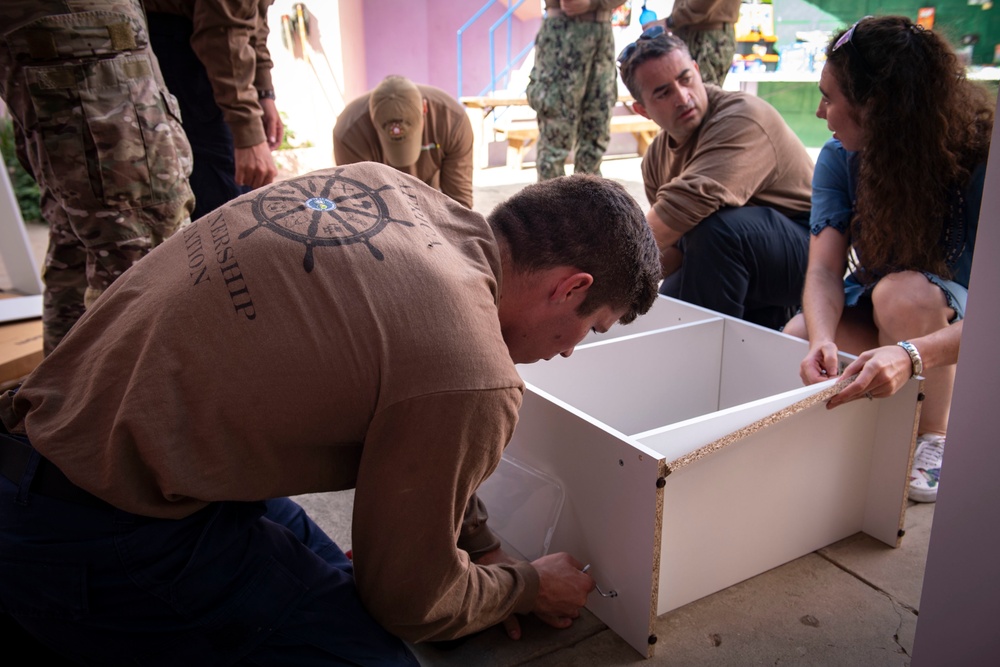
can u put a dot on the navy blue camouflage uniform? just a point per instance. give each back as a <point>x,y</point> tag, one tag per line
<point>573,88</point>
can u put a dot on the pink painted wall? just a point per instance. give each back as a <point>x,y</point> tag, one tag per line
<point>352,47</point>
<point>417,39</point>
<point>354,44</point>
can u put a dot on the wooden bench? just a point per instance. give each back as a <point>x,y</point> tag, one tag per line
<point>521,131</point>
<point>521,135</point>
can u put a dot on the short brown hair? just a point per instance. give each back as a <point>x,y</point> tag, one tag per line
<point>643,51</point>
<point>592,224</point>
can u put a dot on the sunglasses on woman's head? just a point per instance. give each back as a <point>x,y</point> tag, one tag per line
<point>848,39</point>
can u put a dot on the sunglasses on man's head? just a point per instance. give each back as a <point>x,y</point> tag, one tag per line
<point>848,39</point>
<point>649,33</point>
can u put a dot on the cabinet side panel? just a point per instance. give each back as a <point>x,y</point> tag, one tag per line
<point>895,438</point>
<point>758,362</point>
<point>609,516</point>
<point>682,438</point>
<point>666,312</point>
<point>642,382</point>
<point>785,491</point>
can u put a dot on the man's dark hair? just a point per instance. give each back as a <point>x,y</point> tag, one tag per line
<point>647,49</point>
<point>592,224</point>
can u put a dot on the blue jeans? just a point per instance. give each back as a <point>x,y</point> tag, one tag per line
<point>237,582</point>
<point>747,262</point>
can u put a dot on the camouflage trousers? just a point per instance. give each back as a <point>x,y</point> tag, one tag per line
<point>101,135</point>
<point>713,50</point>
<point>573,88</point>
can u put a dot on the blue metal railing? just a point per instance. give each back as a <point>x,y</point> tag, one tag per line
<point>506,70</point>
<point>465,26</point>
<point>510,61</point>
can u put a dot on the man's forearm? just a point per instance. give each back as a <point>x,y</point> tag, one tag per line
<point>667,238</point>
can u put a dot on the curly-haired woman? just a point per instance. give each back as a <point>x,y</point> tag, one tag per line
<point>896,196</point>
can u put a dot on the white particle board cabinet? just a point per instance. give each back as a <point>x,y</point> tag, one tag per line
<point>681,454</point>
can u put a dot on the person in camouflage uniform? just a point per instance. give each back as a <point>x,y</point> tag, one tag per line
<point>706,27</point>
<point>573,85</point>
<point>101,135</point>
<point>713,50</point>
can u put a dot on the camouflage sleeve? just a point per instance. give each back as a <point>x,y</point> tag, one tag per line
<point>223,39</point>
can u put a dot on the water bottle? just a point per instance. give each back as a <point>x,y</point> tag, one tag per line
<point>647,15</point>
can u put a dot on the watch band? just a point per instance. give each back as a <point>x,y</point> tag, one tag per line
<point>265,94</point>
<point>916,362</point>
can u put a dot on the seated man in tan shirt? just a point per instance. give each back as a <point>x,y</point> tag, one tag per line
<point>420,130</point>
<point>348,328</point>
<point>729,185</point>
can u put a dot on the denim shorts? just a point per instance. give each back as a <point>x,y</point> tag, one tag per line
<point>955,294</point>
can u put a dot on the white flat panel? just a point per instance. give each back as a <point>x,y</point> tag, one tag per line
<point>895,437</point>
<point>682,438</point>
<point>610,515</point>
<point>758,362</point>
<point>20,308</point>
<point>785,491</point>
<point>666,312</point>
<point>640,382</point>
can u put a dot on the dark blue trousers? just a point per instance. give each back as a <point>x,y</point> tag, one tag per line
<point>748,262</point>
<point>254,583</point>
<point>213,175</point>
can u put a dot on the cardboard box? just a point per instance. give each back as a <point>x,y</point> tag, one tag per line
<point>20,349</point>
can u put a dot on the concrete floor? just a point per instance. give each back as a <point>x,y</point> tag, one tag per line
<point>854,603</point>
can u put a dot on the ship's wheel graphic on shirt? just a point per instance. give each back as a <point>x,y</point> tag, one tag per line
<point>323,210</point>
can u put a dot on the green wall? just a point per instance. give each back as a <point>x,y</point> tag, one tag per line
<point>953,19</point>
<point>797,101</point>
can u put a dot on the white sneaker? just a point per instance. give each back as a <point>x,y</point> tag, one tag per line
<point>926,468</point>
